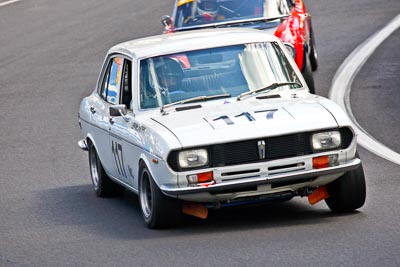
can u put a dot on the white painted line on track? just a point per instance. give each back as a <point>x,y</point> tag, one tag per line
<point>344,77</point>
<point>8,2</point>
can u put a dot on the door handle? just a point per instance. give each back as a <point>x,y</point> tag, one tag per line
<point>92,109</point>
<point>111,120</point>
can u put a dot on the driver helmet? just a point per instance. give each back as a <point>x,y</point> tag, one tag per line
<point>170,74</point>
<point>207,8</point>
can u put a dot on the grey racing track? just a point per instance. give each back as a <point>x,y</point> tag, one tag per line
<point>50,56</point>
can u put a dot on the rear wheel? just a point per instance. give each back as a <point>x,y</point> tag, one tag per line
<point>102,184</point>
<point>308,76</point>
<point>348,192</point>
<point>313,52</point>
<point>158,210</point>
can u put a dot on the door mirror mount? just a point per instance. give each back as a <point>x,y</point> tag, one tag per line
<point>118,110</point>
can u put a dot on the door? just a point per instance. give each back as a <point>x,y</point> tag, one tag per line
<point>125,137</point>
<point>107,95</point>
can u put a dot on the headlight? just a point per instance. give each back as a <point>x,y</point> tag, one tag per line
<point>291,49</point>
<point>193,158</point>
<point>326,140</point>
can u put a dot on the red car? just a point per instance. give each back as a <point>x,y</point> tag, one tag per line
<point>287,19</point>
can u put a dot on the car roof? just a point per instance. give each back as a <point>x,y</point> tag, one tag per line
<point>191,40</point>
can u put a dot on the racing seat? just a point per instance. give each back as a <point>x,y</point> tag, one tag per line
<point>213,82</point>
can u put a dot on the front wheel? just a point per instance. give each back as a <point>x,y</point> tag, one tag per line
<point>158,210</point>
<point>348,192</point>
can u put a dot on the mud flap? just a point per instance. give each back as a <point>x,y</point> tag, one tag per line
<point>195,209</point>
<point>319,194</point>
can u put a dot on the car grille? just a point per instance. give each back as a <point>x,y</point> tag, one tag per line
<point>244,152</point>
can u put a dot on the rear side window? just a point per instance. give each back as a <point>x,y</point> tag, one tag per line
<point>111,83</point>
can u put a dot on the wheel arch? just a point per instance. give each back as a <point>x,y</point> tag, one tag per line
<point>158,174</point>
<point>91,142</point>
<point>144,160</point>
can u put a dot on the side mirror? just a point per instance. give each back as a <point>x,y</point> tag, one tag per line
<point>166,21</point>
<point>118,110</point>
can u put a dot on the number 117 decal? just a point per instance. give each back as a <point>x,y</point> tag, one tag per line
<point>269,116</point>
<point>119,158</point>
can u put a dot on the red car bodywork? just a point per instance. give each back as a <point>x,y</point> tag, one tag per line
<point>295,31</point>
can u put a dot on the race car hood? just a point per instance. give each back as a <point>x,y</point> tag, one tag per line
<point>228,120</point>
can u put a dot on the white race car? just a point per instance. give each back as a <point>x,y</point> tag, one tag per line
<point>212,118</point>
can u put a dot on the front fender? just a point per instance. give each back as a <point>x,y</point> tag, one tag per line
<point>159,170</point>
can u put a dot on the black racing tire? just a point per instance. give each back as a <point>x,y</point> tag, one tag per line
<point>348,192</point>
<point>102,184</point>
<point>313,51</point>
<point>308,76</point>
<point>158,210</point>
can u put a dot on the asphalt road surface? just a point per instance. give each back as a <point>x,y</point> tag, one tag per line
<point>50,56</point>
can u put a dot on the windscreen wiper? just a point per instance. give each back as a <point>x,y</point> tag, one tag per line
<point>268,88</point>
<point>194,99</point>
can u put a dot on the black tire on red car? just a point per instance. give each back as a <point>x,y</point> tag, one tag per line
<point>348,192</point>
<point>158,210</point>
<point>313,51</point>
<point>308,76</point>
<point>102,184</point>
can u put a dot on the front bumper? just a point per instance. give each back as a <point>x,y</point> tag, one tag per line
<point>287,178</point>
<point>83,145</point>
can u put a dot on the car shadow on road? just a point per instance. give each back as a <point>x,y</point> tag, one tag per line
<point>120,217</point>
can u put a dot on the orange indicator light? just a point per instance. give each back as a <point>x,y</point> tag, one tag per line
<point>201,178</point>
<point>205,177</point>
<point>320,162</point>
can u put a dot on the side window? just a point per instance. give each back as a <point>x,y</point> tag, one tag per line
<point>126,96</point>
<point>111,83</point>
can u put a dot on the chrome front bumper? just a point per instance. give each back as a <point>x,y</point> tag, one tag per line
<point>248,182</point>
<point>82,145</point>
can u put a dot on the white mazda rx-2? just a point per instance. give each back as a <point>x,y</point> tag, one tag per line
<point>212,118</point>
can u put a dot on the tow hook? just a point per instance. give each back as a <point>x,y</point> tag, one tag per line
<point>195,209</point>
<point>317,195</point>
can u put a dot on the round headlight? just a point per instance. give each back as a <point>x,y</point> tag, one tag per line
<point>326,140</point>
<point>193,158</point>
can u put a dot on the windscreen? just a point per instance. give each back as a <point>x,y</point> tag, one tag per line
<point>193,13</point>
<point>229,70</point>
